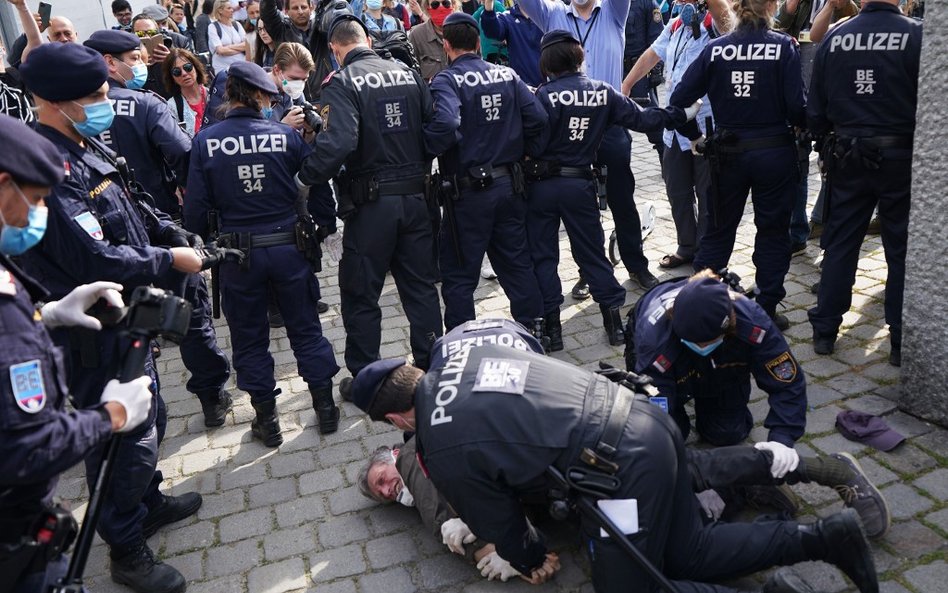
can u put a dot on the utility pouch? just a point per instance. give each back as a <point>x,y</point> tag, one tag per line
<point>481,177</point>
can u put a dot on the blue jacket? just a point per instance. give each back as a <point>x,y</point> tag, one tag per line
<point>523,41</point>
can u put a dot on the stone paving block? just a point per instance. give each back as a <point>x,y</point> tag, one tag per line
<point>299,510</point>
<point>273,492</point>
<point>246,524</point>
<point>822,419</point>
<point>300,440</point>
<point>234,559</point>
<point>390,519</point>
<point>341,453</point>
<point>227,584</point>
<point>277,578</point>
<point>191,565</point>
<point>908,426</point>
<point>912,540</point>
<point>385,551</point>
<point>892,587</point>
<point>292,464</point>
<point>878,474</point>
<point>928,577</point>
<point>335,532</point>
<point>821,576</point>
<point>184,445</point>
<point>252,451</point>
<point>935,442</point>
<point>906,459</point>
<point>245,475</point>
<point>851,384</point>
<point>320,481</point>
<point>348,500</point>
<point>332,564</point>
<point>938,519</point>
<point>192,537</point>
<point>871,404</point>
<point>904,501</point>
<point>819,395</point>
<point>935,483</point>
<point>443,571</point>
<point>203,461</point>
<point>834,443</point>
<point>289,542</point>
<point>395,580</point>
<point>824,367</point>
<point>340,586</point>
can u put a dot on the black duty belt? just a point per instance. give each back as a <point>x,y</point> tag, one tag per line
<point>748,144</point>
<point>615,423</point>
<point>574,172</point>
<point>882,142</point>
<point>413,185</point>
<point>471,182</point>
<point>246,241</point>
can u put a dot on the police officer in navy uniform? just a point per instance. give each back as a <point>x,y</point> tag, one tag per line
<point>243,168</point>
<point>39,438</point>
<point>753,80</point>
<point>493,418</point>
<point>562,185</point>
<point>145,133</point>
<point>864,91</point>
<point>97,233</point>
<point>642,27</point>
<point>485,117</point>
<point>373,110</point>
<point>696,339</point>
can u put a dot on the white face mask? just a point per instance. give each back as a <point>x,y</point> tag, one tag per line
<point>580,2</point>
<point>405,498</point>
<point>294,88</point>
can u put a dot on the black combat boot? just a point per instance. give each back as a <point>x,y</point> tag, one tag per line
<point>266,426</point>
<point>215,404</point>
<point>841,472</point>
<point>612,322</point>
<point>326,410</point>
<point>553,330</point>
<point>840,540</point>
<point>139,569</point>
<point>170,509</point>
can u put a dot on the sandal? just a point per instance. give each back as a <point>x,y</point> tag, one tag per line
<point>673,260</point>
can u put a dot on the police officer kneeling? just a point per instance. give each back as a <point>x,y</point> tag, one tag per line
<point>243,168</point>
<point>493,419</point>
<point>39,438</point>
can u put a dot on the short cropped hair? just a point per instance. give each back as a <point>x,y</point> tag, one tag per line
<point>397,393</point>
<point>348,33</point>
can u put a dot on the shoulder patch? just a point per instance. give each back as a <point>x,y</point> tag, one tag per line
<point>757,334</point>
<point>657,15</point>
<point>28,390</point>
<point>662,364</point>
<point>328,77</point>
<point>324,115</point>
<point>7,283</point>
<point>783,368</point>
<point>90,224</point>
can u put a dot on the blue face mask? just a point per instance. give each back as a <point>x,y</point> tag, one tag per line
<point>687,13</point>
<point>703,351</point>
<point>16,240</point>
<point>253,22</point>
<point>373,4</point>
<point>140,77</point>
<point>99,118</point>
<point>267,112</point>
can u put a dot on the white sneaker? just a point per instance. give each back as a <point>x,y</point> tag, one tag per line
<point>487,270</point>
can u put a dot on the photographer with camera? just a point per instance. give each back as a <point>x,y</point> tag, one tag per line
<point>496,423</point>
<point>39,439</point>
<point>97,232</point>
<point>252,192</point>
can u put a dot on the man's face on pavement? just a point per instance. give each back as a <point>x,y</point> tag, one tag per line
<point>384,481</point>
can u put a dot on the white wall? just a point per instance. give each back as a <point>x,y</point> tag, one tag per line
<point>88,15</point>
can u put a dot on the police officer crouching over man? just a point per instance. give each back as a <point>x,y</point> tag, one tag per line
<point>372,114</point>
<point>695,338</point>
<point>39,438</point>
<point>96,232</point>
<point>242,169</point>
<point>492,420</point>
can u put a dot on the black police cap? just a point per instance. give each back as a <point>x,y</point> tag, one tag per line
<point>253,75</point>
<point>366,385</point>
<point>558,36</point>
<point>63,71</point>
<point>28,156</point>
<point>113,42</point>
<point>461,18</point>
<point>702,310</point>
<point>341,18</point>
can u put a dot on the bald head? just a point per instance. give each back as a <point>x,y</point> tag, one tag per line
<point>61,30</point>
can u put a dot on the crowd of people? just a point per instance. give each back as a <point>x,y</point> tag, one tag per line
<point>452,139</point>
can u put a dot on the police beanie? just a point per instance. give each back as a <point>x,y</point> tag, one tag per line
<point>29,157</point>
<point>366,385</point>
<point>253,75</point>
<point>702,310</point>
<point>557,36</point>
<point>63,71</point>
<point>113,42</point>
<point>461,18</point>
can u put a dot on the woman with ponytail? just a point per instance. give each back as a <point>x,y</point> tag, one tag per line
<point>753,81</point>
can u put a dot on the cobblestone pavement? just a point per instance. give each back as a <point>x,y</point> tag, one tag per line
<point>292,519</point>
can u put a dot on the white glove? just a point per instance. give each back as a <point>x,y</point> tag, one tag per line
<point>454,534</point>
<point>692,111</point>
<point>694,146</point>
<point>493,567</point>
<point>711,503</point>
<point>785,458</point>
<point>134,396</point>
<point>333,244</point>
<point>71,309</point>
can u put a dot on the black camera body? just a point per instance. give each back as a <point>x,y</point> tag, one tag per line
<point>153,312</point>
<point>311,116</point>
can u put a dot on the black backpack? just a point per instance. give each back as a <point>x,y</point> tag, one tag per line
<point>396,44</point>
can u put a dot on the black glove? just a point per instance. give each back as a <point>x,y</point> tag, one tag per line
<point>211,255</point>
<point>637,383</point>
<point>175,236</point>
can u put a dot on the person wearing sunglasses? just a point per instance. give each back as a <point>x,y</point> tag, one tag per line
<point>426,37</point>
<point>185,77</point>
